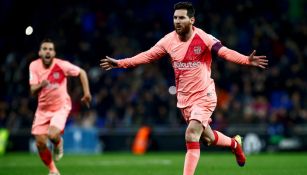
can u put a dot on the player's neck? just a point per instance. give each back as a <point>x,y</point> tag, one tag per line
<point>186,36</point>
<point>47,66</point>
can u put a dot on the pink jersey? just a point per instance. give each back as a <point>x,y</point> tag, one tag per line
<point>191,61</point>
<point>55,95</point>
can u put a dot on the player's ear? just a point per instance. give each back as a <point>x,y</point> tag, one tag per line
<point>192,19</point>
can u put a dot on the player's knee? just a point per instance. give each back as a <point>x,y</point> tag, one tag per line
<point>54,133</point>
<point>53,136</point>
<point>41,145</point>
<point>192,135</point>
<point>209,140</point>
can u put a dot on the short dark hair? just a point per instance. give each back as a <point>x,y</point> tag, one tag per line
<point>47,40</point>
<point>187,6</point>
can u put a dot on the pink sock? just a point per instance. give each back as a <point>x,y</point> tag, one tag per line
<point>223,140</point>
<point>46,157</point>
<point>191,158</point>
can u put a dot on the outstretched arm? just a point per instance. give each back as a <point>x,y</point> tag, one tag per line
<point>236,57</point>
<point>148,56</point>
<point>87,97</point>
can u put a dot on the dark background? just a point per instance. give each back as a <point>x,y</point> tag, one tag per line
<point>86,31</point>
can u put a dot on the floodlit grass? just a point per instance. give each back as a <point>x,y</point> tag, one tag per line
<point>158,163</point>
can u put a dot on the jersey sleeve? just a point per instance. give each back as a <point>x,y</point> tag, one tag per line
<point>33,76</point>
<point>209,40</point>
<point>216,47</point>
<point>154,53</point>
<point>233,56</point>
<point>70,69</point>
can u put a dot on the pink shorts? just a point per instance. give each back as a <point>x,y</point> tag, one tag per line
<point>201,110</point>
<point>43,119</point>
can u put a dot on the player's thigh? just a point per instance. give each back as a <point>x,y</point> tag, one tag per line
<point>58,121</point>
<point>202,113</point>
<point>41,122</point>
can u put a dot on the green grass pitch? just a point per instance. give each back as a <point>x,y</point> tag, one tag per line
<point>157,163</point>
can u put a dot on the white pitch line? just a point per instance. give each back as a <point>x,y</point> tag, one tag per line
<point>79,162</point>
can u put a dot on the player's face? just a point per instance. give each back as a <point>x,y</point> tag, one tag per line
<point>182,22</point>
<point>47,53</point>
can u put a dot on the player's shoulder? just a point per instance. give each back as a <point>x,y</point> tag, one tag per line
<point>59,60</point>
<point>200,32</point>
<point>170,35</point>
<point>205,36</point>
<point>63,63</point>
<point>35,63</point>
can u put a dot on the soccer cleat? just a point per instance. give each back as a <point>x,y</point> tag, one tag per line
<point>58,151</point>
<point>238,151</point>
<point>54,173</point>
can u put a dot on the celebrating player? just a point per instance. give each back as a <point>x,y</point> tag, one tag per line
<point>190,49</point>
<point>48,79</point>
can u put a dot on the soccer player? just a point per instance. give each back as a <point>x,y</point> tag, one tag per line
<point>48,79</point>
<point>190,49</point>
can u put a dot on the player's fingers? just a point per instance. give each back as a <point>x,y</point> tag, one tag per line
<point>261,57</point>
<point>105,66</point>
<point>109,58</point>
<point>86,101</point>
<point>87,104</point>
<point>104,60</point>
<point>261,66</point>
<point>253,53</point>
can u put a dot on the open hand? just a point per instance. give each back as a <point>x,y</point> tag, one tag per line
<point>108,63</point>
<point>258,61</point>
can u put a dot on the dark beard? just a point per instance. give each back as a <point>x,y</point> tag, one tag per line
<point>184,30</point>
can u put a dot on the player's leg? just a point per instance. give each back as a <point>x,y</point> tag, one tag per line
<point>44,153</point>
<point>55,137</point>
<point>56,129</point>
<point>40,131</point>
<point>213,137</point>
<point>192,136</point>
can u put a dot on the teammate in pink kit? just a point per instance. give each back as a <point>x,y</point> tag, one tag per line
<point>190,49</point>
<point>48,79</point>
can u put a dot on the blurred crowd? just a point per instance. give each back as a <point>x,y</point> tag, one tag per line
<point>86,31</point>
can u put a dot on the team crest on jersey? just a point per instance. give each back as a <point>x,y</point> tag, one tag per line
<point>197,50</point>
<point>56,75</point>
